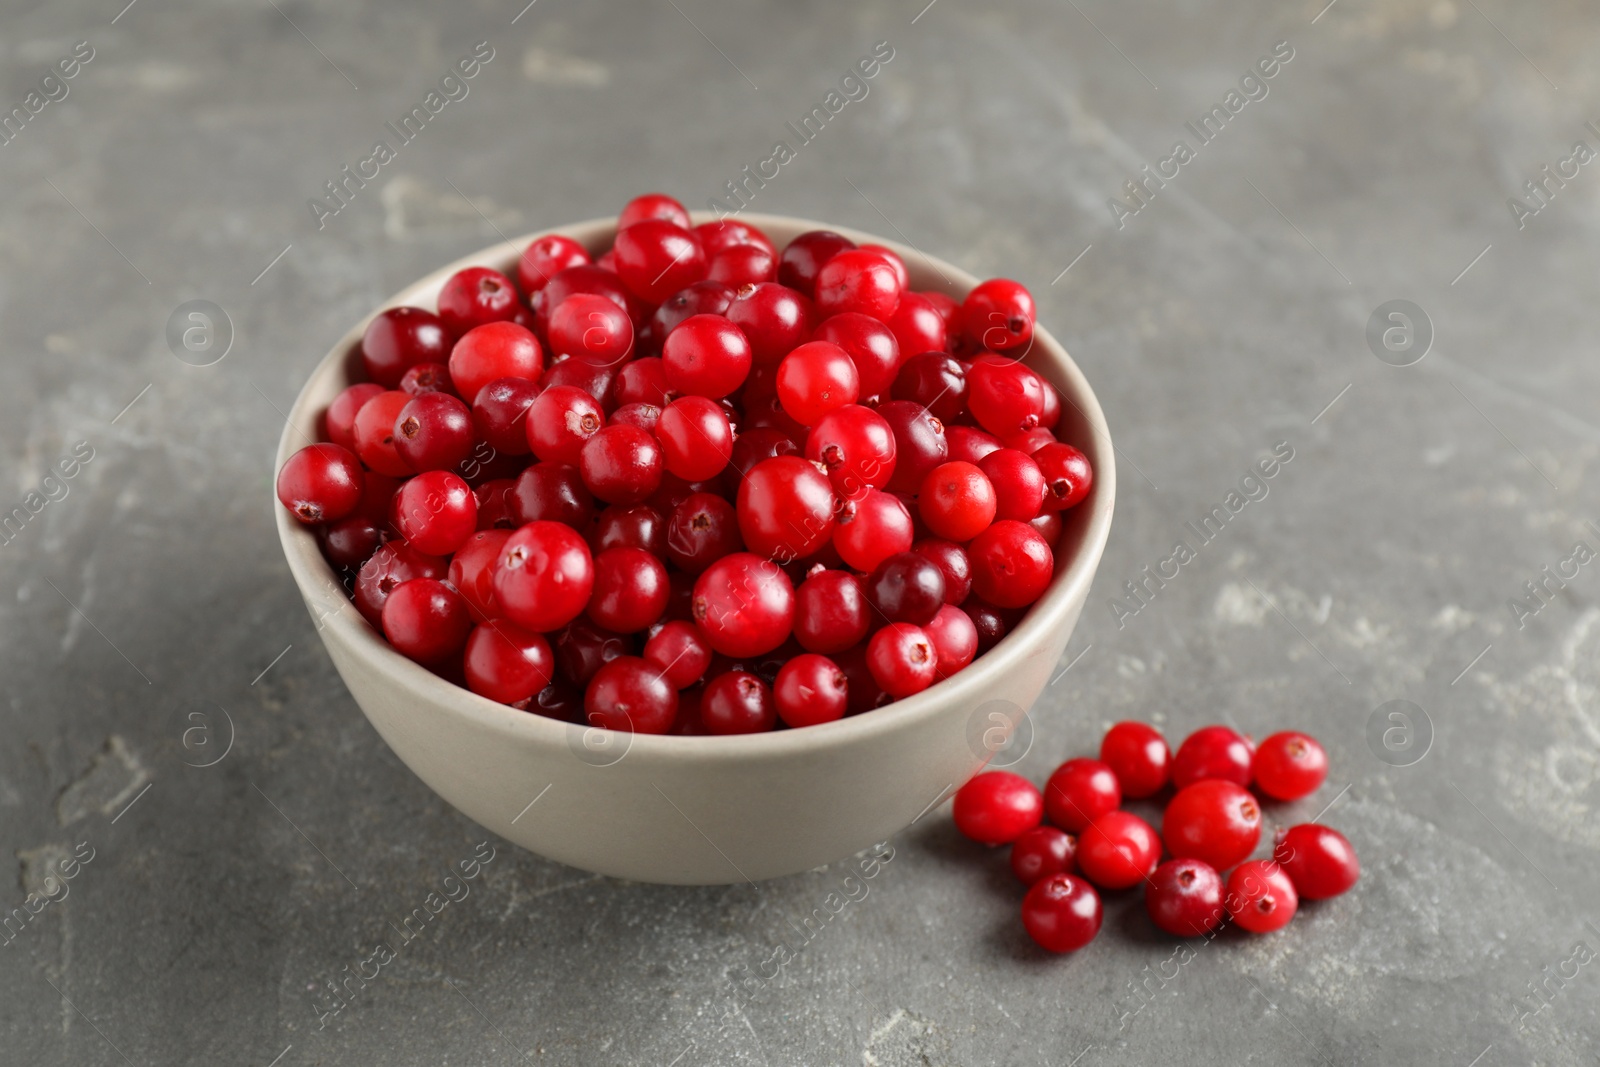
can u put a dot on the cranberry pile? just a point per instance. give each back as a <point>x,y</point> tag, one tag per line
<point>696,485</point>
<point>1211,823</point>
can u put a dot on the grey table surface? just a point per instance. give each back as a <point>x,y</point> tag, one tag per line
<point>147,607</point>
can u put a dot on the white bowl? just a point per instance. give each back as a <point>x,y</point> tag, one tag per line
<point>703,810</point>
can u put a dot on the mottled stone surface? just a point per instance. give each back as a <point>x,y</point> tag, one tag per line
<point>147,616</point>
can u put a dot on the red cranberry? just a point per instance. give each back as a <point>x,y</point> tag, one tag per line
<point>630,590</point>
<point>810,689</point>
<point>891,257</point>
<point>393,564</point>
<point>1184,898</point>
<point>955,639</point>
<point>1138,755</point>
<point>723,234</point>
<point>997,807</point>
<point>599,382</point>
<point>871,346</point>
<point>1067,475</point>
<point>499,411</point>
<point>507,663</point>
<point>1260,897</point>
<point>858,280</point>
<point>433,432</point>
<point>656,258</point>
<point>1289,765</point>
<point>559,700</point>
<point>785,508</point>
<point>621,464</point>
<point>630,694</point>
<point>582,648</point>
<point>320,483</point>
<point>1213,752</point>
<point>496,509</point>
<point>743,265</point>
<point>494,350</point>
<point>805,256</point>
<point>546,257</point>
<point>1041,852</point>
<point>737,702</point>
<point>1004,396</point>
<point>918,326</point>
<point>957,501</point>
<point>906,587</point>
<point>374,431</point>
<point>998,315</point>
<point>643,381</point>
<point>703,529</point>
<point>696,439</point>
<point>583,278</point>
<point>348,543</point>
<point>702,298</point>
<point>436,512</point>
<point>544,577</point>
<point>426,620</point>
<point>919,443</point>
<point>745,605</point>
<point>871,529</point>
<point>937,382</point>
<point>1320,862</point>
<point>592,328</point>
<point>1011,564</point>
<point>1061,913</point>
<point>952,560</point>
<point>902,659</point>
<point>970,444</point>
<point>644,417</point>
<point>680,651</point>
<point>1079,792</point>
<point>1018,483</point>
<point>475,296</point>
<point>1118,850</point>
<point>706,356</point>
<point>752,446</point>
<point>552,492</point>
<point>1029,441</point>
<point>653,206</point>
<point>561,421</point>
<point>831,612</point>
<point>427,378</point>
<point>399,338</point>
<point>340,419</point>
<point>857,448</point>
<point>638,526</point>
<point>472,573</point>
<point>990,623</point>
<point>774,318</point>
<point>814,379</point>
<point>1212,820</point>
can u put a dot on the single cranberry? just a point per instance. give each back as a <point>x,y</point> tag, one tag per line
<point>1289,765</point>
<point>1011,564</point>
<point>340,419</point>
<point>426,620</point>
<point>745,605</point>
<point>752,446</point>
<point>805,256</point>
<point>653,206</point>
<point>621,464</point>
<point>472,573</point>
<point>906,587</point>
<point>743,265</point>
<point>1260,897</point>
<point>592,328</point>
<point>785,508</point>
<point>1067,475</point>
<point>831,612</point>
<point>630,590</point>
<point>544,577</point>
<point>706,356</point>
<point>680,651</point>
<point>348,543</point>
<point>870,529</point>
<point>919,442</point>
<point>320,483</point>
<point>643,381</point>
<point>1018,483</point>
<point>858,280</point>
<point>475,296</point>
<point>393,564</point>
<point>937,382</point>
<point>1041,852</point>
<point>856,446</point>
<point>998,315</point>
<point>552,492</point>
<point>583,278</point>
<point>636,526</point>
<point>494,350</point>
<point>814,379</point>
<point>561,421</point>
<point>737,702</point>
<point>997,807</point>
<point>599,382</point>
<point>644,417</point>
<point>970,444</point>
<point>696,438</point>
<point>499,411</point>
<point>630,694</point>
<point>918,326</point>
<point>1212,820</point>
<point>1138,755</point>
<point>891,257</point>
<point>723,234</point>
<point>1118,850</point>
<point>957,501</point>
<point>991,624</point>
<point>1184,898</point>
<point>775,318</point>
<point>955,639</point>
<point>1048,526</point>
<point>433,432</point>
<point>902,659</point>
<point>1003,395</point>
<point>399,338</point>
<point>1213,752</point>
<point>1319,861</point>
<point>582,648</point>
<point>1079,792</point>
<point>702,298</point>
<point>427,378</point>
<point>871,346</point>
<point>1061,913</point>
<point>952,560</point>
<point>810,689</point>
<point>507,663</point>
<point>703,529</point>
<point>546,257</point>
<point>656,258</point>
<point>436,512</point>
<point>374,431</point>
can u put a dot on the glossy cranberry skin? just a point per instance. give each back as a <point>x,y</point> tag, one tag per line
<point>997,807</point>
<point>472,572</point>
<point>858,280</point>
<point>1138,755</point>
<point>743,265</point>
<point>1118,850</point>
<point>956,501</point>
<point>902,659</point>
<point>949,311</point>
<point>630,694</point>
<point>561,421</point>
<point>559,700</point>
<point>496,508</point>
<point>433,432</point>
<point>775,318</point>
<point>936,381</point>
<point>582,648</point>
<point>917,326</point>
<point>856,446</point>
<point>955,640</point>
<point>621,464</point>
<point>737,702</point>
<point>706,356</point>
<point>1079,792</point>
<point>1289,765</point>
<point>339,421</point>
<point>643,381</point>
<point>436,512</point>
<point>870,529</point>
<point>583,278</point>
<point>391,565</point>
<point>1003,395</point>
<point>919,443</point>
<point>680,651</point>
<point>592,328</point>
<point>703,529</point>
<point>374,432</point>
<point>970,444</point>
<point>426,620</point>
<point>1212,820</point>
<point>723,234</point>
<point>427,378</point>
<point>1260,897</point>
<point>952,560</point>
<point>871,346</point>
<point>814,379</point>
<point>320,483</point>
<point>656,258</point>
<point>348,543</point>
<point>1212,752</point>
<point>752,446</point>
<point>999,315</point>
<point>702,298</point>
<point>544,577</point>
<point>906,587</point>
<point>803,259</point>
<point>631,526</point>
<point>399,338</point>
<point>1319,861</point>
<point>499,414</point>
<point>652,206</point>
<point>810,689</point>
<point>785,508</point>
<point>599,382</point>
<point>494,350</point>
<point>1184,898</point>
<point>552,492</point>
<point>1061,913</point>
<point>831,612</point>
<point>630,590</point>
<point>990,623</point>
<point>1041,852</point>
<point>474,296</point>
<point>547,256</point>
<point>1011,564</point>
<point>696,439</point>
<point>507,663</point>
<point>1067,475</point>
<point>744,604</point>
<point>1018,484</point>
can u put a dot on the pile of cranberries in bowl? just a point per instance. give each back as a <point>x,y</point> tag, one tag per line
<point>694,484</point>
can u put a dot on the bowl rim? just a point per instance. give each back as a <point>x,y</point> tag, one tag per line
<point>1065,594</point>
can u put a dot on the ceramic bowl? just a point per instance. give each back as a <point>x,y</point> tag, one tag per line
<point>703,810</point>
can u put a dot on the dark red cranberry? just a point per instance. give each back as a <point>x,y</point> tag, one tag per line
<point>635,526</point>
<point>349,542</point>
<point>970,444</point>
<point>643,381</point>
<point>804,258</point>
<point>582,648</point>
<point>919,443</point>
<point>399,338</point>
<point>990,623</point>
<point>427,378</point>
<point>1184,898</point>
<point>906,587</point>
<point>761,443</point>
<point>745,605</point>
<point>393,563</point>
<point>737,702</point>
<point>630,694</point>
<point>552,492</point>
<point>702,298</point>
<point>507,663</point>
<point>775,318</point>
<point>474,296</point>
<point>1041,852</point>
<point>831,612</point>
<point>951,558</point>
<point>703,529</point>
<point>426,620</point>
<point>937,382</point>
<point>500,411</point>
<point>630,590</point>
